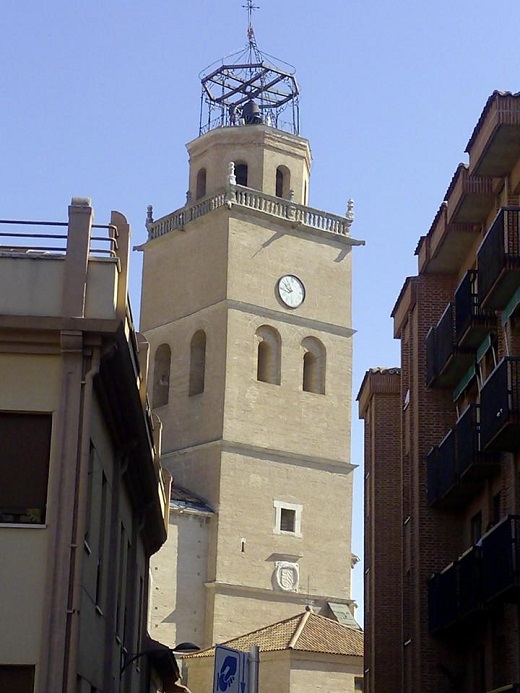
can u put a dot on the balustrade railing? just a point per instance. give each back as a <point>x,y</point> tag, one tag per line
<point>254,200</point>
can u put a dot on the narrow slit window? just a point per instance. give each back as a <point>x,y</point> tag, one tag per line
<point>201,183</point>
<point>268,367</point>
<point>197,363</point>
<point>283,182</point>
<point>241,174</point>
<point>314,366</point>
<point>161,375</point>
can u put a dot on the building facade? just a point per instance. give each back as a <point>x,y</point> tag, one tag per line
<point>453,477</point>
<point>83,499</point>
<point>246,303</point>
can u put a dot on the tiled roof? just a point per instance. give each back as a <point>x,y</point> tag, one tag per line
<point>305,632</point>
<point>392,370</point>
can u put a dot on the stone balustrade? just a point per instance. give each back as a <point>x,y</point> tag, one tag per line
<point>255,200</point>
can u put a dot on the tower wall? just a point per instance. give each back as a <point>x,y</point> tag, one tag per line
<point>266,441</point>
<point>262,148</point>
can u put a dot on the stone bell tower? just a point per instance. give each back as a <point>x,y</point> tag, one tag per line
<point>247,306</point>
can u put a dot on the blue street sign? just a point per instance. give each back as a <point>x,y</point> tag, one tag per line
<point>231,670</point>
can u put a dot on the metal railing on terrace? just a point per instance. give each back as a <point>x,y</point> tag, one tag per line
<point>247,198</point>
<point>500,406</point>
<point>27,237</point>
<point>499,260</point>
<point>471,320</point>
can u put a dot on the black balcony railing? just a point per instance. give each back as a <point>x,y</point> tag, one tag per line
<point>443,590</point>
<point>469,582</point>
<point>472,463</point>
<point>500,407</point>
<point>472,322</point>
<point>446,341</point>
<point>500,560</point>
<point>457,466</point>
<point>498,260</point>
<point>454,593</point>
<point>487,573</point>
<point>432,368</point>
<point>446,361</point>
<point>447,460</point>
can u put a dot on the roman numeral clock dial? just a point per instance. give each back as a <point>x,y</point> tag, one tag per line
<point>291,291</point>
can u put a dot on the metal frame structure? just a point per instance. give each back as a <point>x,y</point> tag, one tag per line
<point>246,82</point>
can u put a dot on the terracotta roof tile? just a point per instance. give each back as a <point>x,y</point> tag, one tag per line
<point>305,632</point>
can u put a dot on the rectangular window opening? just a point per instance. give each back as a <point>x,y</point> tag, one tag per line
<point>25,444</point>
<point>287,520</point>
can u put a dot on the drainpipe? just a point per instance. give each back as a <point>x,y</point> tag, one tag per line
<point>79,526</point>
<point>254,665</point>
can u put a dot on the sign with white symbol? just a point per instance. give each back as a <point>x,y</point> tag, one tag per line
<point>231,671</point>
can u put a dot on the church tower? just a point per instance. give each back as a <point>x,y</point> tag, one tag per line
<point>246,303</point>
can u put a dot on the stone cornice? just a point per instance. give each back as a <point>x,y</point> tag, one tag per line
<point>284,456</point>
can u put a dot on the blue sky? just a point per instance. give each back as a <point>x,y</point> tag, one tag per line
<point>100,97</point>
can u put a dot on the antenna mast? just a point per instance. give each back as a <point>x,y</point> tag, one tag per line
<point>251,39</point>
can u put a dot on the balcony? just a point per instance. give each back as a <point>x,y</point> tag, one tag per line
<point>500,407</point>
<point>73,269</point>
<point>498,260</point>
<point>501,561</point>
<point>454,593</point>
<point>457,466</point>
<point>446,361</point>
<point>443,599</point>
<point>441,469</point>
<point>472,322</point>
<point>473,464</point>
<point>484,575</point>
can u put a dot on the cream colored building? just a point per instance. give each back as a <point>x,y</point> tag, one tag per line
<point>306,653</point>
<point>82,499</point>
<point>246,303</point>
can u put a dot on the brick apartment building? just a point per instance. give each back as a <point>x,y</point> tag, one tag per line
<point>442,442</point>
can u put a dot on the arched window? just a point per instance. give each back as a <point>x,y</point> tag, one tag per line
<point>161,375</point>
<point>197,363</point>
<point>283,182</point>
<point>201,183</point>
<point>241,174</point>
<point>269,350</point>
<point>314,365</point>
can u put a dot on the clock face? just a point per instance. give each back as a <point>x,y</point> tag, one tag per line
<point>291,291</point>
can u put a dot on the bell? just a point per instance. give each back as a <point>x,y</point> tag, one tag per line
<point>251,113</point>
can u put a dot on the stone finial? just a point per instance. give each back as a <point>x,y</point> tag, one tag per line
<point>291,205</point>
<point>231,195</point>
<point>232,180</point>
<point>349,214</point>
<point>149,216</point>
